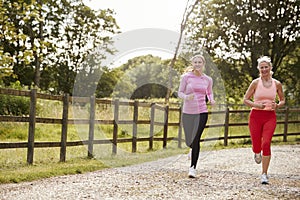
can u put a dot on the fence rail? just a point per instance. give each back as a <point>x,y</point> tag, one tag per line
<point>115,122</point>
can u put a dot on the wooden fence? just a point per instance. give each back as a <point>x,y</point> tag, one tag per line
<point>115,122</point>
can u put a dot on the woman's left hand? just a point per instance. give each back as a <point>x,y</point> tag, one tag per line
<point>212,102</point>
<point>274,105</point>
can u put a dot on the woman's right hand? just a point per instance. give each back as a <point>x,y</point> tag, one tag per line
<point>190,97</point>
<point>262,106</point>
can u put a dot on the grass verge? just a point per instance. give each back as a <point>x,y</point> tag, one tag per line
<point>21,172</point>
<point>17,173</point>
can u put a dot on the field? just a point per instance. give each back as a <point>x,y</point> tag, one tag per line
<point>13,167</point>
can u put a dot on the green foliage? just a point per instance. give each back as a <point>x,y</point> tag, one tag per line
<point>17,106</point>
<point>237,32</point>
<point>21,43</point>
<point>107,81</point>
<point>235,81</point>
<point>45,43</point>
<point>248,28</point>
<point>14,105</point>
<point>289,75</point>
<point>144,77</point>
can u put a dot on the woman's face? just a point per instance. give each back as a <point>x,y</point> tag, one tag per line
<point>198,64</point>
<point>264,69</point>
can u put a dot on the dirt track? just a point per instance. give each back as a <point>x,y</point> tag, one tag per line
<point>223,174</point>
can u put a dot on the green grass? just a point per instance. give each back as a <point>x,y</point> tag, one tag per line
<point>43,170</point>
<point>13,167</point>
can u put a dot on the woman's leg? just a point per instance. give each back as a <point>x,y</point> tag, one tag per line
<point>190,126</point>
<point>255,128</point>
<point>265,164</point>
<point>196,141</point>
<point>268,132</point>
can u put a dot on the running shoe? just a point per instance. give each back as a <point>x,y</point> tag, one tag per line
<point>264,179</point>
<point>257,158</point>
<point>192,172</point>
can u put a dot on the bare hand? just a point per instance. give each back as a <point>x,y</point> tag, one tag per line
<point>269,105</point>
<point>274,105</point>
<point>190,97</point>
<point>262,106</point>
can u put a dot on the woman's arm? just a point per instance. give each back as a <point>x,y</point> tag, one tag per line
<point>280,95</point>
<point>181,89</point>
<point>249,94</point>
<point>210,94</point>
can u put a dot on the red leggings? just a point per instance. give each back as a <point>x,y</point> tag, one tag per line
<point>262,125</point>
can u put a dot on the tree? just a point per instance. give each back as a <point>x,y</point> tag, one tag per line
<point>81,43</point>
<point>45,42</point>
<point>19,45</point>
<point>143,77</point>
<point>290,70</point>
<point>239,31</point>
<point>187,12</point>
<point>109,78</point>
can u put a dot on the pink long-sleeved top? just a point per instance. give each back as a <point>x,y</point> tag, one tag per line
<point>200,86</point>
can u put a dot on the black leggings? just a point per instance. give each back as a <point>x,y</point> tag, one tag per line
<point>193,125</point>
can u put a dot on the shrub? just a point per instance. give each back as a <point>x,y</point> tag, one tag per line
<point>11,105</point>
<point>14,105</point>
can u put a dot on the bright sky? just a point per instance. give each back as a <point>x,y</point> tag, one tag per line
<point>136,14</point>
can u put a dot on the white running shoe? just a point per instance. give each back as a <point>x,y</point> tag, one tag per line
<point>190,154</point>
<point>192,172</point>
<point>264,179</point>
<point>257,158</point>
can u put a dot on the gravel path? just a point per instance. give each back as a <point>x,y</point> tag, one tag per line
<point>223,174</point>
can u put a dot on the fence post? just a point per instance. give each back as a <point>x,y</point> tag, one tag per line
<point>180,128</point>
<point>64,128</point>
<point>91,126</point>
<point>152,120</point>
<point>286,123</point>
<point>166,126</point>
<point>226,126</point>
<point>134,128</point>
<point>31,129</point>
<point>116,122</point>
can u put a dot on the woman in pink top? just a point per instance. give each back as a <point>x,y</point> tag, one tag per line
<point>262,119</point>
<point>193,89</point>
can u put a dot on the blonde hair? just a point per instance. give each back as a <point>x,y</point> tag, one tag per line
<point>264,59</point>
<point>267,60</point>
<point>189,69</point>
<point>199,56</point>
